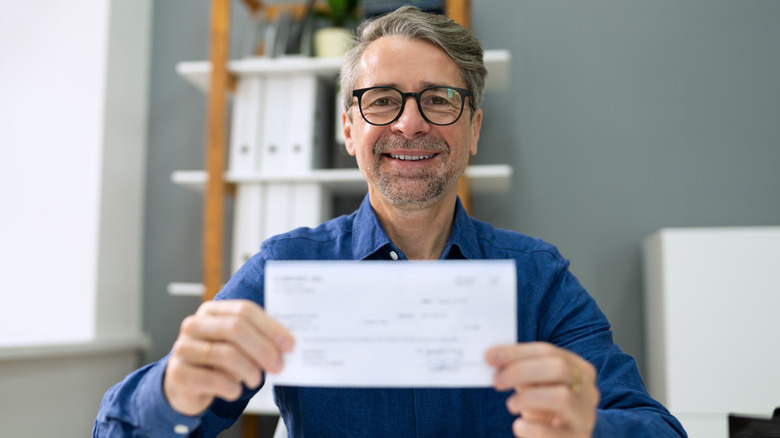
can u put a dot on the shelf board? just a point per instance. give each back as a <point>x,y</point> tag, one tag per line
<point>197,72</point>
<point>337,180</point>
<point>186,289</point>
<point>100,345</point>
<point>482,178</point>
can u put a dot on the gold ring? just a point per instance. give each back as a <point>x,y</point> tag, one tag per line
<point>204,354</point>
<point>576,380</point>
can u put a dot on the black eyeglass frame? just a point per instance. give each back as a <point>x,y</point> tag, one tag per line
<point>464,93</point>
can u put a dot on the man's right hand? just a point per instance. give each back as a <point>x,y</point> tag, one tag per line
<point>224,344</point>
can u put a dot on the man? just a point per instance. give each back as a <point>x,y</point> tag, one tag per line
<point>412,89</point>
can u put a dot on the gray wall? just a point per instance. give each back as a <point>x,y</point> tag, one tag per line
<point>624,117</point>
<point>629,116</point>
<point>177,114</point>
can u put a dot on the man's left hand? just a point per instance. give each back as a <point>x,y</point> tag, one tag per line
<point>555,389</point>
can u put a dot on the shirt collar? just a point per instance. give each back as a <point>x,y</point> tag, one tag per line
<point>369,237</point>
<point>463,238</point>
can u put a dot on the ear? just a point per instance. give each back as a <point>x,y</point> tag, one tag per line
<point>346,126</point>
<point>476,125</point>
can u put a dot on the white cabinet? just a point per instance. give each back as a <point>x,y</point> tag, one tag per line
<point>712,314</point>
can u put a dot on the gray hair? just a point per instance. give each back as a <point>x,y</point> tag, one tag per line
<point>413,24</point>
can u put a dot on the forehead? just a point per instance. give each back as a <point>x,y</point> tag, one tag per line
<point>408,65</point>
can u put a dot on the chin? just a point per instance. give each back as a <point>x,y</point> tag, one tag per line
<point>418,197</point>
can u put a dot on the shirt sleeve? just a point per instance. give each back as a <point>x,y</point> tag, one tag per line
<point>571,319</point>
<point>137,407</point>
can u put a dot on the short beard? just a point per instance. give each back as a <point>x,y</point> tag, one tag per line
<point>418,190</point>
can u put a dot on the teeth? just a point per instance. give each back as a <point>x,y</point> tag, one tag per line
<point>410,157</point>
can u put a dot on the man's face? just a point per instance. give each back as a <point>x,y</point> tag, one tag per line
<point>411,162</point>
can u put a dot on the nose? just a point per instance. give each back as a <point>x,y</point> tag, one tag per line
<point>411,123</point>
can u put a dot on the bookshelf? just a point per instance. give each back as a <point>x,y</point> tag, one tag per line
<point>198,73</point>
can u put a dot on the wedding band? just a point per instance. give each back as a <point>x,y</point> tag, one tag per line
<point>576,379</point>
<point>204,354</point>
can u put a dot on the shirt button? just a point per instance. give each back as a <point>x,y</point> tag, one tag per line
<point>393,255</point>
<point>181,429</point>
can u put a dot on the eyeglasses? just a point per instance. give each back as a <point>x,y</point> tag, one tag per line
<point>384,105</point>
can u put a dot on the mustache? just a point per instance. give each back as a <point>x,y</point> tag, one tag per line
<point>426,144</point>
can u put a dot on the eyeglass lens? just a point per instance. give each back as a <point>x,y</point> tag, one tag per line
<point>440,105</point>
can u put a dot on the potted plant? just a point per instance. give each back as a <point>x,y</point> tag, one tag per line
<point>341,18</point>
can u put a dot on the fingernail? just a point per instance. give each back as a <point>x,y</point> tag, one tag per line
<point>497,383</point>
<point>519,426</point>
<point>284,343</point>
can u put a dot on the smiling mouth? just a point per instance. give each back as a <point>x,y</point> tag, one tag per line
<point>411,157</point>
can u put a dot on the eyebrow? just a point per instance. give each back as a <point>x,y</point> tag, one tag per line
<point>423,85</point>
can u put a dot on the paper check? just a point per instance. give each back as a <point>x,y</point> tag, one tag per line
<point>392,324</point>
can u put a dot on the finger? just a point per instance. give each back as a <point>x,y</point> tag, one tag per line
<point>191,389</point>
<point>255,315</point>
<point>234,330</point>
<point>245,324</point>
<point>213,383</point>
<point>557,405</point>
<point>531,372</point>
<point>556,401</point>
<point>539,363</point>
<point>503,354</point>
<point>525,428</point>
<point>232,361</point>
<point>223,356</point>
<point>217,383</point>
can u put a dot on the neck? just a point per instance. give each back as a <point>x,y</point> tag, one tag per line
<point>420,232</point>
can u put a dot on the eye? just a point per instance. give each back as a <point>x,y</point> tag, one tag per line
<point>440,99</point>
<point>380,99</point>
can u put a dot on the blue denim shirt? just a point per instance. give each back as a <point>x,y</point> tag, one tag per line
<point>552,306</point>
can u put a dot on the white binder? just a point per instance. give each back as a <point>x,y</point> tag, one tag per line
<point>247,123</point>
<point>307,128</point>
<point>273,155</point>
<point>248,223</point>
